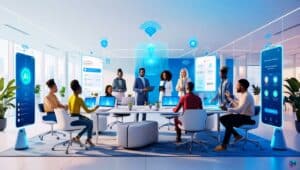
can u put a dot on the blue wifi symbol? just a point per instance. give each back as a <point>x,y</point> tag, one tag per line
<point>150,27</point>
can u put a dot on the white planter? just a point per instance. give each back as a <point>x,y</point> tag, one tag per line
<point>257,100</point>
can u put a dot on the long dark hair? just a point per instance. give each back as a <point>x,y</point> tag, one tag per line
<point>168,74</point>
<point>106,90</point>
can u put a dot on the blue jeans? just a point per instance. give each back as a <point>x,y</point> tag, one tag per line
<point>84,121</point>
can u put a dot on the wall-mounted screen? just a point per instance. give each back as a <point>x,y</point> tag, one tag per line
<point>205,73</point>
<point>271,86</point>
<point>92,69</point>
<point>25,82</point>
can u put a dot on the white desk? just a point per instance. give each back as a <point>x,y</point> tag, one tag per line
<point>145,109</point>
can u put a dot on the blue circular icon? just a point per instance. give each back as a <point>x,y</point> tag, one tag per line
<point>104,43</point>
<point>275,79</point>
<point>266,93</point>
<point>266,79</point>
<point>275,93</point>
<point>25,76</point>
<point>193,43</point>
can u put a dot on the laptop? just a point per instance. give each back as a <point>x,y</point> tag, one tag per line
<point>169,101</point>
<point>90,102</point>
<point>106,101</point>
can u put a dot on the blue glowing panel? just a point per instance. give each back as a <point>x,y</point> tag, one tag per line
<point>170,100</point>
<point>193,43</point>
<point>271,85</point>
<point>104,43</point>
<point>90,102</point>
<point>107,101</point>
<point>25,82</point>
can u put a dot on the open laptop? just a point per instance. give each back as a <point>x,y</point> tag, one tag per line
<point>90,102</point>
<point>169,101</point>
<point>107,102</point>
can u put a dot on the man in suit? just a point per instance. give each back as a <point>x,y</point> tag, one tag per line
<point>141,87</point>
<point>225,87</point>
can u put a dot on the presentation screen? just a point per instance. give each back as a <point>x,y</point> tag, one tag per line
<point>205,74</point>
<point>170,100</point>
<point>271,86</point>
<point>92,69</point>
<point>25,82</point>
<point>106,101</point>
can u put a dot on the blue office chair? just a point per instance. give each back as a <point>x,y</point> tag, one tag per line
<point>49,119</point>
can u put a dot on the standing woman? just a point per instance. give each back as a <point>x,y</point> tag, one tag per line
<point>182,82</point>
<point>119,86</point>
<point>165,85</point>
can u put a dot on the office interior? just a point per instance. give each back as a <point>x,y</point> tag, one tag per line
<point>64,36</point>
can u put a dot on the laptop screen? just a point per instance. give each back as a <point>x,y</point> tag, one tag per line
<point>90,102</point>
<point>107,101</point>
<point>170,100</point>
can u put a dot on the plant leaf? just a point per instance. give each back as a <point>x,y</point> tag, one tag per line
<point>1,84</point>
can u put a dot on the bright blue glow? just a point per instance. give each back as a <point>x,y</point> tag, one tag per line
<point>275,93</point>
<point>92,70</point>
<point>105,101</point>
<point>275,79</point>
<point>170,100</point>
<point>271,111</point>
<point>266,93</point>
<point>150,27</point>
<point>104,43</point>
<point>25,76</point>
<point>193,43</point>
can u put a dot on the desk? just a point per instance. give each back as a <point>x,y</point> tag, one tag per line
<point>134,110</point>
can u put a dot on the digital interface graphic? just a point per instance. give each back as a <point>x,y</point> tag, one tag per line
<point>150,27</point>
<point>206,74</point>
<point>90,102</point>
<point>271,83</point>
<point>25,97</point>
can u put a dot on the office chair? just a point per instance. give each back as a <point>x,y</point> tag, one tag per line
<point>168,116</point>
<point>193,122</point>
<point>64,121</point>
<point>246,128</point>
<point>49,120</point>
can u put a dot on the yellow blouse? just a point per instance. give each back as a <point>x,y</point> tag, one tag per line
<point>75,103</point>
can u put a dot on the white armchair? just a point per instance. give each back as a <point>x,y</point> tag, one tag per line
<point>194,121</point>
<point>64,121</point>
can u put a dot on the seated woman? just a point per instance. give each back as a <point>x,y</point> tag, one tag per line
<point>51,102</point>
<point>108,90</point>
<point>75,103</point>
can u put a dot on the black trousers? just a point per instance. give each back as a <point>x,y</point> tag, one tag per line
<point>233,120</point>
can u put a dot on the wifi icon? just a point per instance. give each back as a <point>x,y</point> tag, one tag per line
<point>150,27</point>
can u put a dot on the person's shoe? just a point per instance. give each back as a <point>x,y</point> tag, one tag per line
<point>219,148</point>
<point>89,142</point>
<point>77,140</point>
<point>237,138</point>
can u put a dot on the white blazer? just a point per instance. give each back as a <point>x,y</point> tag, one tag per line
<point>182,84</point>
<point>168,89</point>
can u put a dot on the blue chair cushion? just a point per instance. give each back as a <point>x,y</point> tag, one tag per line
<point>49,117</point>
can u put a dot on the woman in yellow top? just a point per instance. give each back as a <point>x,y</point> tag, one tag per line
<point>75,103</point>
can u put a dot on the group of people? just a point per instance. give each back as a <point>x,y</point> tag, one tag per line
<point>241,108</point>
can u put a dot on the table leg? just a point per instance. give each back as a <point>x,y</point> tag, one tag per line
<point>97,128</point>
<point>219,126</point>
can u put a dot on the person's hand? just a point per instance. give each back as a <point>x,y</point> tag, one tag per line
<point>228,95</point>
<point>223,107</point>
<point>181,89</point>
<point>66,107</point>
<point>145,89</point>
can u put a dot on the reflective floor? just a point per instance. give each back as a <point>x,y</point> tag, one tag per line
<point>8,138</point>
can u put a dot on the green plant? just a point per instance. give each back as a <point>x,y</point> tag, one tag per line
<point>62,91</point>
<point>256,89</point>
<point>7,95</point>
<point>293,92</point>
<point>37,89</point>
<point>95,94</point>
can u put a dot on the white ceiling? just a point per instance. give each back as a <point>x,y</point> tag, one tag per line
<point>78,25</point>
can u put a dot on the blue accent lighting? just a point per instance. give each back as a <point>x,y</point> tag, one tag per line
<point>25,76</point>
<point>150,27</point>
<point>104,43</point>
<point>193,43</point>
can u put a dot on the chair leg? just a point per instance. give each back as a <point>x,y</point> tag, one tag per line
<point>246,140</point>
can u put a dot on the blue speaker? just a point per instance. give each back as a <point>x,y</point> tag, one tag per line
<point>278,141</point>
<point>22,141</point>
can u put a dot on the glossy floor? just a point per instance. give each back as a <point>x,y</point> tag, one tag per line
<point>8,138</point>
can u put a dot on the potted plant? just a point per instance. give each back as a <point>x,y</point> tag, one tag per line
<point>7,95</point>
<point>37,92</point>
<point>293,97</point>
<point>256,92</point>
